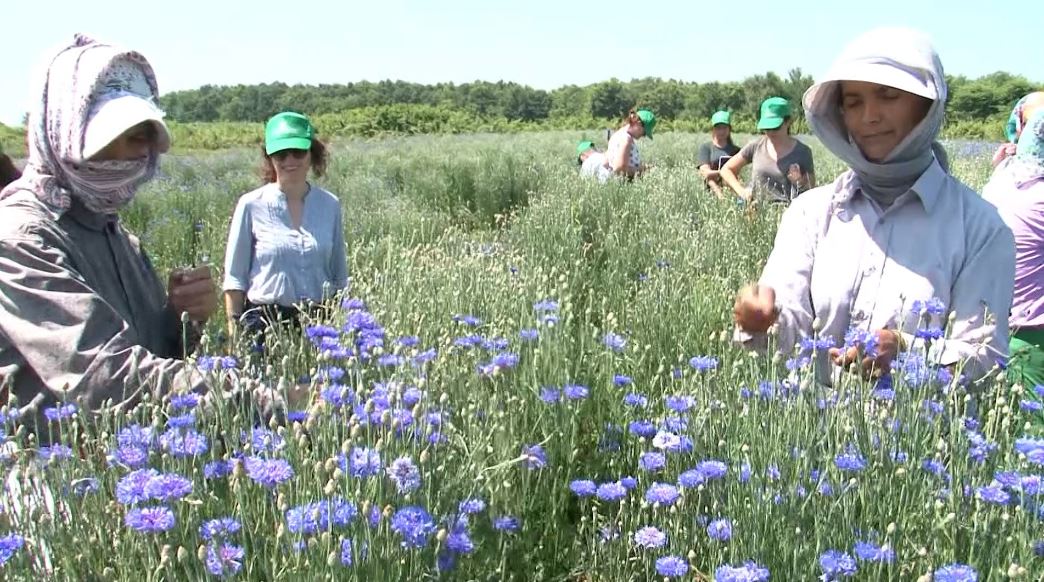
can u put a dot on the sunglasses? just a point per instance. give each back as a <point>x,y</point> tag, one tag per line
<point>296,154</point>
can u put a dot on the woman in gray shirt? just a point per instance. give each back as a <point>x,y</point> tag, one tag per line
<point>286,242</point>
<point>782,167</point>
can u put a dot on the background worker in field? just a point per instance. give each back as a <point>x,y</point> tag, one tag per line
<point>714,154</point>
<point>1024,109</point>
<point>592,162</point>
<point>622,150</point>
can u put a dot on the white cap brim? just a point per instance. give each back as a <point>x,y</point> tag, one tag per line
<point>116,115</point>
<point>906,79</point>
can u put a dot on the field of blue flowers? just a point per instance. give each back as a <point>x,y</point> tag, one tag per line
<point>530,378</point>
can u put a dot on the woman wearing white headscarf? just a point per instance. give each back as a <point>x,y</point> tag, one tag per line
<point>895,229</point>
<point>83,315</point>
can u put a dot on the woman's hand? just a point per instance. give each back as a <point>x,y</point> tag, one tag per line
<point>794,174</point>
<point>889,343</point>
<point>755,309</point>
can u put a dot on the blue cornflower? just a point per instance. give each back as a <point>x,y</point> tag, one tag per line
<point>636,400</point>
<point>583,487</point>
<point>929,333</point>
<point>549,319</point>
<point>315,332</point>
<point>62,412</point>
<point>150,519</point>
<point>408,341</point>
<point>353,304</point>
<point>57,452</point>
<point>621,380</point>
<point>671,567</point>
<point>468,341</point>
<point>263,440</point>
<point>993,494</point>
<point>850,461</point>
<point>681,403</point>
<point>652,461</point>
<point>220,529</point>
<point>390,360</point>
<point>956,573</point>
<point>182,421</point>
<point>1033,448</point>
<point>529,334</point>
<point>712,469</point>
<point>224,561</point>
<point>133,457</point>
<point>649,537</point>
<point>168,487</point>
<point>184,443</point>
<point>1030,406</point>
<point>575,391</point>
<point>676,423</point>
<point>136,436</point>
<point>424,357</point>
<point>361,462</point>
<point>216,363</point>
<point>9,544</point>
<point>611,492</point>
<point>748,572</point>
<point>187,401</point>
<point>550,395</point>
<point>346,552</point>
<point>85,486</point>
<point>1038,549</point>
<point>667,441</point>
<point>861,338</point>
<point>614,342</point>
<point>869,552</point>
<point>933,306</point>
<point>468,320</point>
<point>744,475</point>
<point>411,396</point>
<point>405,474</point>
<point>459,541</point>
<point>642,428</point>
<point>268,472</point>
<point>217,469</point>
<point>338,395</point>
<point>629,482</point>
<point>414,524</point>
<point>472,506</point>
<point>703,363</point>
<point>720,530</point>
<point>691,479</point>
<point>506,523</point>
<point>545,306</point>
<point>131,488</point>
<point>662,493</point>
<point>535,457</point>
<point>836,565</point>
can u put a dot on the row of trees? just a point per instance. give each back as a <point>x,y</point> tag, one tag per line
<point>970,99</point>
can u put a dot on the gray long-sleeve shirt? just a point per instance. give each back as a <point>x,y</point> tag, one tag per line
<point>83,314</point>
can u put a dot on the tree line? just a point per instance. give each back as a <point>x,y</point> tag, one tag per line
<point>989,96</point>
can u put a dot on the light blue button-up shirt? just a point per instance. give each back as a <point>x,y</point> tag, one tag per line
<point>277,264</point>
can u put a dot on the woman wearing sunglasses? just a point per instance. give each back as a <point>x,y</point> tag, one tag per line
<point>286,250</point>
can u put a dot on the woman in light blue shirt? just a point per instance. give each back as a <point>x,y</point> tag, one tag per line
<point>286,242</point>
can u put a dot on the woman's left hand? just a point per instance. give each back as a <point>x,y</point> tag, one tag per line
<point>888,344</point>
<point>192,291</point>
<point>794,173</point>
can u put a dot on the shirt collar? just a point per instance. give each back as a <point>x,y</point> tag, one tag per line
<point>88,218</point>
<point>927,188</point>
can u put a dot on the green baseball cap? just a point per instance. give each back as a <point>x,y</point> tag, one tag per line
<point>288,131</point>
<point>721,118</point>
<point>583,147</point>
<point>773,112</point>
<point>648,121</point>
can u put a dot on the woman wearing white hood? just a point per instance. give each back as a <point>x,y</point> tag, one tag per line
<point>895,229</point>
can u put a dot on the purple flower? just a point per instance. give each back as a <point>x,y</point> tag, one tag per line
<point>621,380</point>
<point>224,561</point>
<point>361,462</point>
<point>529,335</point>
<point>131,488</point>
<point>636,400</point>
<point>182,421</point>
<point>662,493</point>
<point>219,529</point>
<point>836,565</point>
<point>575,391</point>
<point>550,395</point>
<point>851,462</point>
<point>150,519</point>
<point>471,506</point>
<point>652,462</point>
<point>681,403</point>
<point>583,487</point>
<point>506,523</point>
<point>671,567</point>
<point>748,572</point>
<point>642,428</point>
<point>712,469</point>
<point>187,401</point>
<point>414,524</point>
<point>9,544</point>
<point>993,494</point>
<point>720,530</point>
<point>703,363</point>
<point>614,342</point>
<point>459,541</point>
<point>649,537</point>
<point>57,452</point>
<point>346,552</point>
<point>611,492</point>
<point>168,487</point>
<point>405,474</point>
<point>956,573</point>
<point>535,457</point>
<point>58,413</point>
<point>468,320</point>
<point>545,306</point>
<point>184,443</point>
<point>869,552</point>
<point>268,472</point>
<point>217,469</point>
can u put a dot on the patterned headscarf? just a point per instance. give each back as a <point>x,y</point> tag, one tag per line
<point>1028,164</point>
<point>70,83</point>
<point>1015,121</point>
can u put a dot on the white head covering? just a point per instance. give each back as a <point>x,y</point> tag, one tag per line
<point>88,94</point>
<point>895,57</point>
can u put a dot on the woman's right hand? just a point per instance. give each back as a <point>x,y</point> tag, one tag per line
<point>755,308</point>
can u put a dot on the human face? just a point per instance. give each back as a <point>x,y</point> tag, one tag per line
<point>134,144</point>
<point>291,165</point>
<point>637,129</point>
<point>879,117</point>
<point>721,132</point>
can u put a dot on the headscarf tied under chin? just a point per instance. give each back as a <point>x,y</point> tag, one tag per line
<point>900,58</point>
<point>68,85</point>
<point>1027,167</point>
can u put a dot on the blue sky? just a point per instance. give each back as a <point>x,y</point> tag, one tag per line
<point>542,43</point>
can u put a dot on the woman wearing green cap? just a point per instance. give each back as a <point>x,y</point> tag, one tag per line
<point>286,241</point>
<point>719,150</point>
<point>592,162</point>
<point>782,167</point>
<point>622,151</point>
